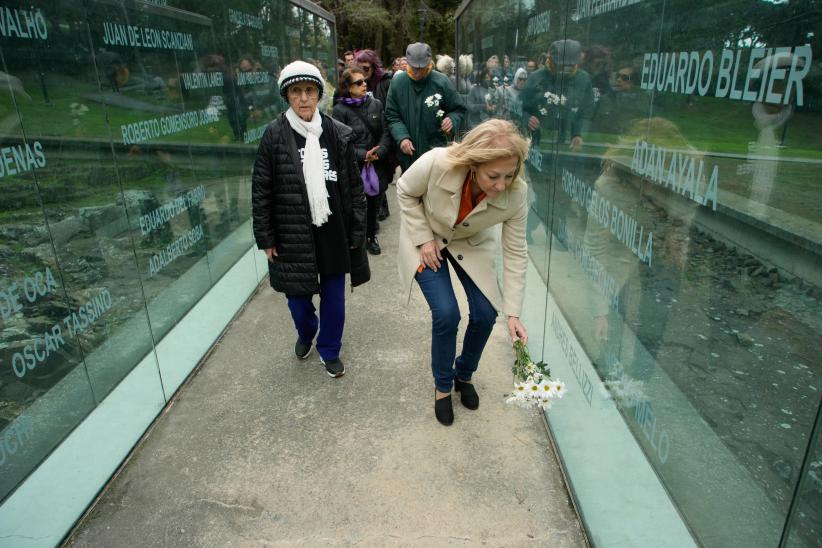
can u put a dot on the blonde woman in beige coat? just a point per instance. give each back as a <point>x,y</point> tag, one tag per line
<point>451,200</point>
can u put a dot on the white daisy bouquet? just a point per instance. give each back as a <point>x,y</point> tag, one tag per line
<point>433,101</point>
<point>552,100</point>
<point>533,384</point>
<point>625,390</point>
<point>77,110</point>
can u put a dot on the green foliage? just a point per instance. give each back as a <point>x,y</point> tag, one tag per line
<point>388,26</point>
<point>365,18</point>
<point>524,368</point>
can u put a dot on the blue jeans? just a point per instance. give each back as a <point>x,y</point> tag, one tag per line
<point>332,316</point>
<point>445,315</point>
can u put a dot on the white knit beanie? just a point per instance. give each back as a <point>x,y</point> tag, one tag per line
<point>299,71</point>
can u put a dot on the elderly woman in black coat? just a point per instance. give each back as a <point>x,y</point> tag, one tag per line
<point>309,212</point>
<point>372,141</point>
<point>379,81</point>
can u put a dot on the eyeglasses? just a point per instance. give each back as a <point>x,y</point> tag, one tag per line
<point>359,82</point>
<point>310,91</point>
<point>366,68</point>
<point>621,77</point>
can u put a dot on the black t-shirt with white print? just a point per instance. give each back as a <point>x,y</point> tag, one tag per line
<point>330,242</point>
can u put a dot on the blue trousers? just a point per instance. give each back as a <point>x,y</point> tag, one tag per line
<point>332,316</point>
<point>445,316</point>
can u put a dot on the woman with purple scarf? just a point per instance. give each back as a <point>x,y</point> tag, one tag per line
<point>362,112</point>
<point>379,80</point>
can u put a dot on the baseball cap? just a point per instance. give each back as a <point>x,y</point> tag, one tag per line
<point>566,53</point>
<point>418,54</point>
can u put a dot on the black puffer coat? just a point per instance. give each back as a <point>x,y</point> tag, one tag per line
<point>380,89</point>
<point>364,135</point>
<point>281,215</point>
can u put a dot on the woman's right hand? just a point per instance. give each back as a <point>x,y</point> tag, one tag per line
<point>271,252</point>
<point>430,255</point>
<point>371,155</point>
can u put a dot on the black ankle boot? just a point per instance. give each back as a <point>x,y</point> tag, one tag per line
<point>444,410</point>
<point>373,246</point>
<point>468,395</point>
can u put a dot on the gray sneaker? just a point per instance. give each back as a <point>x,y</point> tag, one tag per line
<point>302,350</point>
<point>334,368</point>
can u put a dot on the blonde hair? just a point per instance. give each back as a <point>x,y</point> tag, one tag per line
<point>491,140</point>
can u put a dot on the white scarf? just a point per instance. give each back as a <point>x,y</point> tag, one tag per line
<point>312,164</point>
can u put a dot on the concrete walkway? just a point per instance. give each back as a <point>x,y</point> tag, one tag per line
<point>260,448</point>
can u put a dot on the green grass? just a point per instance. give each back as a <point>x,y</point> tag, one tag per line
<point>55,118</point>
<point>719,125</point>
<point>726,127</point>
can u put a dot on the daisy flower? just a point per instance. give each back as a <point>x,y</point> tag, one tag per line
<point>533,385</point>
<point>546,389</point>
<point>558,389</point>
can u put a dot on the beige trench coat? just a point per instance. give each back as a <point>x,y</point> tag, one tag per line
<point>429,195</point>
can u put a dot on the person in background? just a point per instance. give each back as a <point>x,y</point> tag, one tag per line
<point>531,66</point>
<point>493,66</point>
<point>400,65</point>
<point>512,105</point>
<point>507,70</point>
<point>256,96</point>
<point>348,58</point>
<point>379,82</point>
<point>559,96</point>
<point>446,65</point>
<point>466,73</point>
<point>626,103</point>
<point>482,99</point>
<point>477,183</point>
<point>363,113</point>
<point>308,212</point>
<point>597,62</point>
<point>520,77</point>
<point>233,98</point>
<point>423,109</point>
<point>375,75</point>
<point>326,103</point>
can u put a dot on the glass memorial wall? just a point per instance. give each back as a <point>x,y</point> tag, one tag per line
<point>128,130</point>
<point>676,222</point>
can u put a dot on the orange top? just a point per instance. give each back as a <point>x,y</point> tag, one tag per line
<point>467,203</point>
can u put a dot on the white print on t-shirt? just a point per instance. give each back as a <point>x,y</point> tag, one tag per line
<point>330,175</point>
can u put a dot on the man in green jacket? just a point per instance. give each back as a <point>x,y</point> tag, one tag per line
<point>423,110</point>
<point>559,97</point>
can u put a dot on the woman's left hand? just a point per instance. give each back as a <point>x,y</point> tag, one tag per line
<point>517,330</point>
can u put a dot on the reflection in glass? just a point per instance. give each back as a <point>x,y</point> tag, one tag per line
<point>675,166</point>
<point>128,135</point>
<point>44,386</point>
<point>805,527</point>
